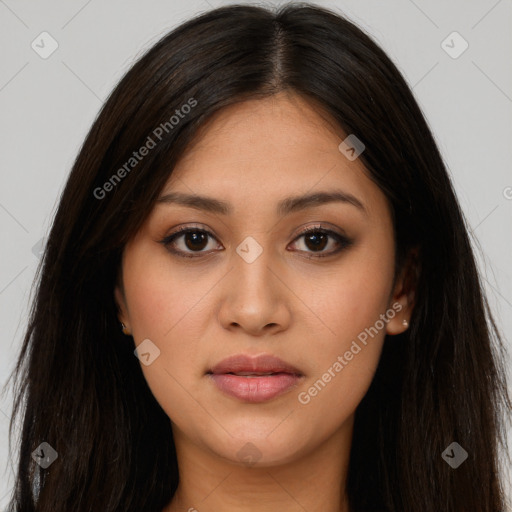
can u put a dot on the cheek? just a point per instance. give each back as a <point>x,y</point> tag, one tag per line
<point>161,297</point>
<point>162,308</point>
<point>171,318</point>
<point>159,304</point>
<point>347,348</point>
<point>353,297</point>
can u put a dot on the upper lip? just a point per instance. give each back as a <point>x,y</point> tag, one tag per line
<point>243,363</point>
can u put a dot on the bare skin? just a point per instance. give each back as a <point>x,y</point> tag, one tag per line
<point>289,453</point>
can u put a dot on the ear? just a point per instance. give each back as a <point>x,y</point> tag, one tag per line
<point>403,296</point>
<point>122,310</point>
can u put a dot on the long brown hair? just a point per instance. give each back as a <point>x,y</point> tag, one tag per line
<point>78,385</point>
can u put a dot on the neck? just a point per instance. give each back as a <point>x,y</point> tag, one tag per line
<point>314,481</point>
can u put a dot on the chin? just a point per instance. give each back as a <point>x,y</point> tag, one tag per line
<point>252,447</point>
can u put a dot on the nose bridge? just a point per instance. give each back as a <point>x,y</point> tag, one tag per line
<point>251,261</point>
<point>252,299</point>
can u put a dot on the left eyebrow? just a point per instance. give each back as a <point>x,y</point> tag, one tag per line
<point>293,204</point>
<point>284,207</point>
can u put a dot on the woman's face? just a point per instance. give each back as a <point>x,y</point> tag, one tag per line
<point>256,285</point>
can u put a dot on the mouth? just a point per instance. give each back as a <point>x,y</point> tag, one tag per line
<point>254,379</point>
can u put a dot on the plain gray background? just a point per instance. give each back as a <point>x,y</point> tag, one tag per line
<point>48,104</point>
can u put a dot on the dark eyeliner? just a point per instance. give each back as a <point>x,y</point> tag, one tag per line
<point>343,241</point>
<point>166,241</point>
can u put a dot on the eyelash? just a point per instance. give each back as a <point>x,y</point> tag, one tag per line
<point>342,240</point>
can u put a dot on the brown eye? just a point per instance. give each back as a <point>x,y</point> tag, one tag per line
<point>317,239</point>
<point>187,241</point>
<point>195,240</point>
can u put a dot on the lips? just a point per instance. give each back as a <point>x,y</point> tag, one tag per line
<point>254,379</point>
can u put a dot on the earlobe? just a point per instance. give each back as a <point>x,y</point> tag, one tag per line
<point>398,324</point>
<point>400,321</point>
<point>404,295</point>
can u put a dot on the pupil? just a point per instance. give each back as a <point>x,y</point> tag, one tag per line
<point>198,240</point>
<point>317,243</point>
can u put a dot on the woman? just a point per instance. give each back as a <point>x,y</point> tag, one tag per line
<point>259,292</point>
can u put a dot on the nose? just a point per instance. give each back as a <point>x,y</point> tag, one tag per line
<point>254,297</point>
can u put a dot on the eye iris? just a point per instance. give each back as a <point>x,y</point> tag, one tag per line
<point>199,240</point>
<point>319,240</point>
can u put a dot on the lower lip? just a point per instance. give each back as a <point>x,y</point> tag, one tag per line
<point>255,389</point>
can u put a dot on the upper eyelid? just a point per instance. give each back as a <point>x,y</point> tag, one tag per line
<point>320,227</point>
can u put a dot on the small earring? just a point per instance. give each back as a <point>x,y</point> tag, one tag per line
<point>405,323</point>
<point>125,330</point>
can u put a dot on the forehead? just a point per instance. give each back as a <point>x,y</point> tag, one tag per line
<point>264,149</point>
<point>286,124</point>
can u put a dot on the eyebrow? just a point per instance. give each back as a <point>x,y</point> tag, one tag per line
<point>284,207</point>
